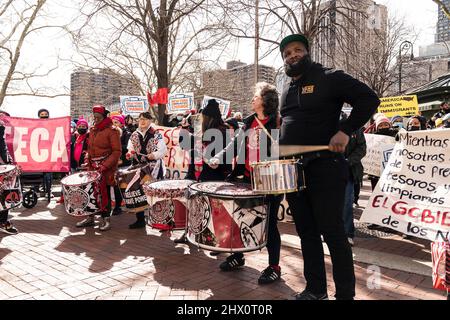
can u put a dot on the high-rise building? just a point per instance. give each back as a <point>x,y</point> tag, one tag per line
<point>88,88</point>
<point>236,83</point>
<point>350,31</point>
<point>443,24</point>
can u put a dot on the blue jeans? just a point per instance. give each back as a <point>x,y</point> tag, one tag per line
<point>348,209</point>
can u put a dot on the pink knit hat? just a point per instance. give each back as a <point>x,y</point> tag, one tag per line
<point>82,121</point>
<point>380,119</point>
<point>119,118</point>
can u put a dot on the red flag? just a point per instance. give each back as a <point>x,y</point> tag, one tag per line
<point>161,96</point>
<point>150,99</point>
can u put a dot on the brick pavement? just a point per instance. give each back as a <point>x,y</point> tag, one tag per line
<point>52,259</point>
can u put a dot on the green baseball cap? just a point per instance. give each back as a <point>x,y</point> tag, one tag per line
<point>294,37</point>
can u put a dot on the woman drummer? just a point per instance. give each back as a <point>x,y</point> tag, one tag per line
<point>104,152</point>
<point>146,145</point>
<point>212,127</point>
<point>5,158</point>
<point>248,142</point>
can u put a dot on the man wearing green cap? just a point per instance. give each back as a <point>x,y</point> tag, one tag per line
<point>310,109</point>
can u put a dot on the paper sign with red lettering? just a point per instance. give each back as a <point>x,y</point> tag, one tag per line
<point>176,159</point>
<point>413,193</point>
<point>39,145</point>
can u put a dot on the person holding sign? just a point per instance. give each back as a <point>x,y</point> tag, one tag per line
<point>310,108</point>
<point>104,152</point>
<point>146,145</point>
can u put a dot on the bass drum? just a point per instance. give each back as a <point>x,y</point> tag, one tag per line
<point>81,193</point>
<point>226,217</point>
<point>10,188</point>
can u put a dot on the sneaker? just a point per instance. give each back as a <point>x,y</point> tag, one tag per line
<point>307,295</point>
<point>117,211</point>
<point>232,263</point>
<point>350,241</point>
<point>106,224</point>
<point>88,222</point>
<point>8,228</point>
<point>269,275</point>
<point>137,225</point>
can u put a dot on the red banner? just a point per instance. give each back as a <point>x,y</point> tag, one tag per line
<point>39,145</point>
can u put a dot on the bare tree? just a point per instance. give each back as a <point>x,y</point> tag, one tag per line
<point>280,18</point>
<point>18,20</point>
<point>378,67</point>
<point>156,45</point>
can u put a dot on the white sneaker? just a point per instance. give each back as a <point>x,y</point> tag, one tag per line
<point>350,240</point>
<point>106,224</point>
<point>88,222</point>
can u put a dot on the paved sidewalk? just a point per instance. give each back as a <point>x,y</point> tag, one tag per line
<point>52,259</point>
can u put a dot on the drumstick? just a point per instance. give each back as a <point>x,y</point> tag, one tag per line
<point>290,150</point>
<point>264,129</point>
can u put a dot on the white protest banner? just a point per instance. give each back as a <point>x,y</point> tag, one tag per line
<point>224,105</point>
<point>413,194</point>
<point>376,144</point>
<point>133,105</point>
<point>180,102</point>
<point>176,159</point>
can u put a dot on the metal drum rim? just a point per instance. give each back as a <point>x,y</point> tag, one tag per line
<point>80,184</point>
<point>222,196</point>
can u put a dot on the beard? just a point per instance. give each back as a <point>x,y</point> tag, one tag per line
<point>298,68</point>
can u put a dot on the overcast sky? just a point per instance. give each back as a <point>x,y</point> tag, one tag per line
<point>422,14</point>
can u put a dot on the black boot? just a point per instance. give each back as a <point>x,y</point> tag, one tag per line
<point>140,222</point>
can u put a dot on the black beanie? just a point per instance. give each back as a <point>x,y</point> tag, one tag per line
<point>212,109</point>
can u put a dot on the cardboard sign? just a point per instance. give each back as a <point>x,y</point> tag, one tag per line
<point>405,106</point>
<point>176,159</point>
<point>413,193</point>
<point>378,147</point>
<point>224,105</point>
<point>39,145</point>
<point>133,105</point>
<point>180,102</point>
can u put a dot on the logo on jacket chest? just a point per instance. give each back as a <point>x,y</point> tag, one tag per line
<point>308,89</point>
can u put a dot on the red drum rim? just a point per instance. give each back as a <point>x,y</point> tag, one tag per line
<point>96,176</point>
<point>170,186</point>
<point>5,168</point>
<point>251,194</point>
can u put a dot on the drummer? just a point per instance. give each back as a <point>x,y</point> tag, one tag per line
<point>146,145</point>
<point>5,158</point>
<point>204,169</point>
<point>104,151</point>
<point>265,109</point>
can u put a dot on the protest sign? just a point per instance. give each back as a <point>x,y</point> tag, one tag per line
<point>39,145</point>
<point>176,159</point>
<point>413,193</point>
<point>378,147</point>
<point>180,102</point>
<point>224,105</point>
<point>405,106</point>
<point>133,105</point>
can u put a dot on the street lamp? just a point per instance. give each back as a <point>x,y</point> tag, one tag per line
<point>404,45</point>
